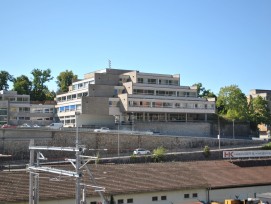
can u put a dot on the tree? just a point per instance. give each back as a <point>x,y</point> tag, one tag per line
<point>39,88</point>
<point>5,77</point>
<point>202,92</point>
<point>232,103</point>
<point>259,112</point>
<point>22,85</point>
<point>64,80</point>
<point>49,95</point>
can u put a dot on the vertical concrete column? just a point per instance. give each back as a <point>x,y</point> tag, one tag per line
<point>144,115</point>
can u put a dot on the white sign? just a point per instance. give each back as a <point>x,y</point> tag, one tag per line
<point>240,154</point>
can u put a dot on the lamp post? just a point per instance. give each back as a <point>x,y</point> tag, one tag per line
<point>133,120</point>
<point>233,129</point>
<point>78,179</point>
<point>218,126</point>
<point>119,137</point>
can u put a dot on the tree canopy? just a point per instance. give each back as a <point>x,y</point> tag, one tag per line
<point>232,103</point>
<point>204,93</point>
<point>259,112</point>
<point>39,89</point>
<point>5,77</point>
<point>64,80</point>
<point>22,85</point>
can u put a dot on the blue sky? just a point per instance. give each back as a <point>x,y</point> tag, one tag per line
<point>216,43</point>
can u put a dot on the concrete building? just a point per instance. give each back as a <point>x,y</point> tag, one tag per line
<point>16,109</point>
<point>110,96</point>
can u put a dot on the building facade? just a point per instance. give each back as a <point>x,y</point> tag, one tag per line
<point>110,96</point>
<point>16,109</point>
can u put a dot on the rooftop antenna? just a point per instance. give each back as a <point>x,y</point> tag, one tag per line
<point>109,64</point>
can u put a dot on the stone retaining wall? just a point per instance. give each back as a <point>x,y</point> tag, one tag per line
<point>16,143</point>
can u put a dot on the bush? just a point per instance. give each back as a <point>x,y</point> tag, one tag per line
<point>206,151</point>
<point>159,154</point>
<point>267,146</point>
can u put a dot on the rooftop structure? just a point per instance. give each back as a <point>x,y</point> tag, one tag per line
<point>175,182</point>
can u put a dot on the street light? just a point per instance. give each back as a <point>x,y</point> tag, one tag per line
<point>233,129</point>
<point>78,179</point>
<point>133,120</point>
<point>119,137</point>
<point>218,136</point>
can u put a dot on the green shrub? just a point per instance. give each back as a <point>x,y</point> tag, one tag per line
<point>267,146</point>
<point>97,160</point>
<point>159,154</point>
<point>206,151</point>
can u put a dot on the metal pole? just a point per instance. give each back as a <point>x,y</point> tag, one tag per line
<point>119,137</point>
<point>218,137</point>
<point>233,129</point>
<point>78,179</point>
<point>218,132</point>
<point>133,121</point>
<point>31,175</point>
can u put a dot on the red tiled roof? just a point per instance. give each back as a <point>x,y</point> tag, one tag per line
<point>138,178</point>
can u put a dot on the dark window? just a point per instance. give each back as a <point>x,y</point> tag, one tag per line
<point>120,201</point>
<point>93,202</point>
<point>130,200</point>
<point>155,198</point>
<point>186,195</point>
<point>195,195</point>
<point>163,197</point>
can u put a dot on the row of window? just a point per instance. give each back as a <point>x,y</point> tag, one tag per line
<point>71,97</point>
<point>119,201</point>
<point>31,110</point>
<point>69,108</point>
<point>162,117</point>
<point>158,81</point>
<point>154,198</point>
<point>169,105</point>
<point>82,85</point>
<point>68,120</point>
<point>31,118</point>
<point>164,93</point>
<point>16,99</point>
<point>3,111</point>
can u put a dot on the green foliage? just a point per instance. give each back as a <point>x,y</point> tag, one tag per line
<point>98,158</point>
<point>267,146</point>
<point>133,157</point>
<point>159,154</point>
<point>39,89</point>
<point>22,85</point>
<point>64,80</point>
<point>49,95</point>
<point>206,151</point>
<point>259,112</point>
<point>202,92</point>
<point>5,77</point>
<point>232,103</point>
